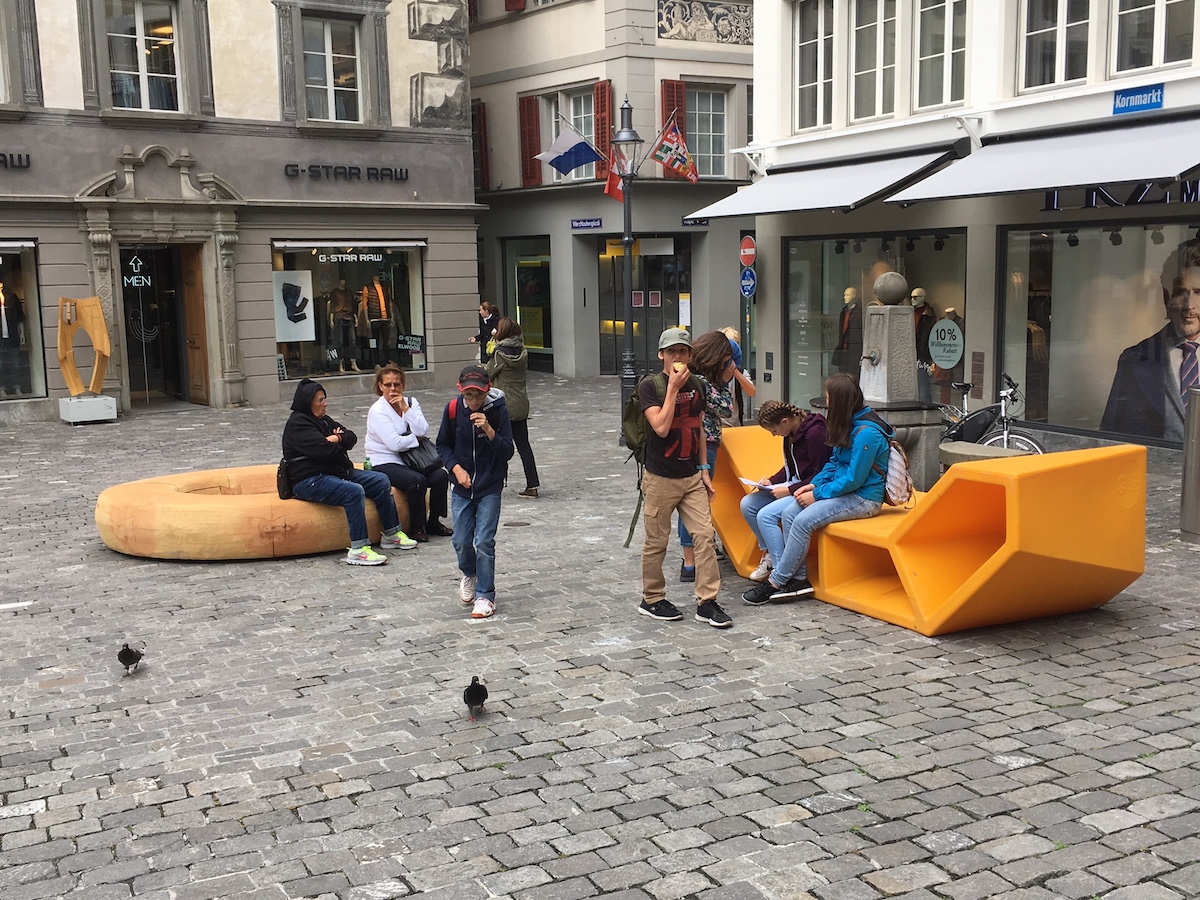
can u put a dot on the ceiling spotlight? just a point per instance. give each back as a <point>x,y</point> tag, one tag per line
<point>839,247</point>
<point>939,242</point>
<point>1114,237</point>
<point>857,246</point>
<point>1156,236</point>
<point>885,246</point>
<point>1072,239</point>
<point>910,245</point>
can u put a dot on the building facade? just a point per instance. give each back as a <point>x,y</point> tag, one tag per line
<point>550,244</point>
<point>1029,165</point>
<point>256,192</point>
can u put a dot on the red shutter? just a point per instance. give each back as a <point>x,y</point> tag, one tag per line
<point>674,97</point>
<point>602,105</point>
<point>531,139</point>
<point>514,5</point>
<point>479,137</point>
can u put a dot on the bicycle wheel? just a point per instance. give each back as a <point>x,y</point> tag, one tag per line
<point>1017,440</point>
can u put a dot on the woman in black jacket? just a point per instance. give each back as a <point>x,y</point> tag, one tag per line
<point>489,318</point>
<point>320,471</point>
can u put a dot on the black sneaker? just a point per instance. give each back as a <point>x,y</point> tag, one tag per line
<point>686,572</point>
<point>759,594</point>
<point>663,610</point>
<point>795,587</point>
<point>712,613</point>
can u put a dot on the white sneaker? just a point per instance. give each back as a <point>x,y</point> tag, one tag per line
<point>483,608</point>
<point>466,588</point>
<point>397,541</point>
<point>364,556</point>
<point>764,569</point>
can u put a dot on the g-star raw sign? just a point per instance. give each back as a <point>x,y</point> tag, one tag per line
<point>317,171</point>
<point>14,160</point>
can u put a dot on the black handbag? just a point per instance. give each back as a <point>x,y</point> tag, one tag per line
<point>283,481</point>
<point>422,458</point>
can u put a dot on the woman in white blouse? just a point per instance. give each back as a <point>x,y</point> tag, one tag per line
<point>394,423</point>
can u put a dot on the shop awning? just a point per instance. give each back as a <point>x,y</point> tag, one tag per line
<point>839,187</point>
<point>346,245</point>
<point>1166,151</point>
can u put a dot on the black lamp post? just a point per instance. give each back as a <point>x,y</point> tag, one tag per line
<point>627,141</point>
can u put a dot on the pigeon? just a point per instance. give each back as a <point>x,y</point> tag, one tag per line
<point>473,696</point>
<point>131,656</point>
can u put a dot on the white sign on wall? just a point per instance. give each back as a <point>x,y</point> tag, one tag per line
<point>295,309</point>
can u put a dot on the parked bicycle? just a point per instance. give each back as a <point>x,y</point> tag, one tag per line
<point>991,425</point>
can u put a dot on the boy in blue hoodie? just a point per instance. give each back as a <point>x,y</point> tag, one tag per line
<point>475,443</point>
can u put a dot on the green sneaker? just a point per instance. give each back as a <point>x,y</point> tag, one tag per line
<point>364,556</point>
<point>397,541</point>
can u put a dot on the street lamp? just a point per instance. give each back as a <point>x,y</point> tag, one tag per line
<point>627,141</point>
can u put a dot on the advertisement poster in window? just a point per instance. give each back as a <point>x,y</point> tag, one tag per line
<point>295,312</point>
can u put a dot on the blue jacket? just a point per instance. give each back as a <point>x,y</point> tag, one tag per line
<point>849,470</point>
<point>460,443</point>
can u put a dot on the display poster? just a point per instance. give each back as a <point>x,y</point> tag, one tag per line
<point>295,312</point>
<point>685,308</point>
<point>639,299</point>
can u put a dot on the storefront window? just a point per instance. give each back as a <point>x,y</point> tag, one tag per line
<point>828,282</point>
<point>348,308</point>
<point>22,367</point>
<point>527,296</point>
<point>1126,304</point>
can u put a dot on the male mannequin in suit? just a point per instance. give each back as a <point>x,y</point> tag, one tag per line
<point>923,319</point>
<point>847,356</point>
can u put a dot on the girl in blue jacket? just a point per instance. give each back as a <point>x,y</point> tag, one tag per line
<point>850,486</point>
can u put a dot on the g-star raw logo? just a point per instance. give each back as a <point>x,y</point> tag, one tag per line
<point>14,161</point>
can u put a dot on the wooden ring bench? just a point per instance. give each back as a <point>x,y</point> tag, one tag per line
<point>223,514</point>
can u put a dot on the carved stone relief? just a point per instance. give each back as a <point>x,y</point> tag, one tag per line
<point>703,20</point>
<point>442,98</point>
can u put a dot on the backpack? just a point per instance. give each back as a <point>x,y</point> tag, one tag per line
<point>897,482</point>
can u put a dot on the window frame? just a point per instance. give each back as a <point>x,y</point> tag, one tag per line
<point>822,81</point>
<point>143,74</point>
<point>329,57</point>
<point>1061,27</point>
<point>691,117</point>
<point>947,52</point>
<point>568,98</point>
<point>881,108</point>
<point>1158,53</point>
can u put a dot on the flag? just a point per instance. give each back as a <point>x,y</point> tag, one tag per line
<point>673,154</point>
<point>617,166</point>
<point>569,151</point>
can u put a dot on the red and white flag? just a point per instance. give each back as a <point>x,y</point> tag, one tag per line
<point>617,166</point>
<point>672,153</point>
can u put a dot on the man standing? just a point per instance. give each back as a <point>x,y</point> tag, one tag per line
<point>677,477</point>
<point>1149,391</point>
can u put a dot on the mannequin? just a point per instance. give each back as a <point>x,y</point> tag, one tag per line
<point>847,356</point>
<point>342,313</point>
<point>945,376</point>
<point>923,320</point>
<point>377,300</point>
<point>12,332</point>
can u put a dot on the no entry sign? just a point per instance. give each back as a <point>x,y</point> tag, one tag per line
<point>748,251</point>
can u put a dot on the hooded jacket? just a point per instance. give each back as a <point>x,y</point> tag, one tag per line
<point>460,443</point>
<point>857,469</point>
<point>508,369</point>
<point>804,453</point>
<point>304,444</point>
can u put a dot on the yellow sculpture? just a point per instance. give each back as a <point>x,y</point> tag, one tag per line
<point>86,314</point>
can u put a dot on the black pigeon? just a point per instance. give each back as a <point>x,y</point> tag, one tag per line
<point>473,696</point>
<point>131,656</point>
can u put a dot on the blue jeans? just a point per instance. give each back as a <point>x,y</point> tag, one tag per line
<point>770,518</point>
<point>794,561</point>
<point>685,539</point>
<point>475,522</point>
<point>350,493</point>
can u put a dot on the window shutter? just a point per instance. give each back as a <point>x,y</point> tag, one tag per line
<point>674,97</point>
<point>514,5</point>
<point>480,138</point>
<point>602,96</point>
<point>531,138</point>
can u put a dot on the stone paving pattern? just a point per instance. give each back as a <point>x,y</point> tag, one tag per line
<point>297,730</point>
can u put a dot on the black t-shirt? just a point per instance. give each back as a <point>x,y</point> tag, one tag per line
<point>678,454</point>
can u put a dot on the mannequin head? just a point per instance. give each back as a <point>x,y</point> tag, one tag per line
<point>850,296</point>
<point>948,312</point>
<point>918,297</point>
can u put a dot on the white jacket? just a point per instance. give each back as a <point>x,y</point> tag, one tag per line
<point>389,433</point>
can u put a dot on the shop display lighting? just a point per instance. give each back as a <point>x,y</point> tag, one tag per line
<point>1156,236</point>
<point>939,241</point>
<point>857,246</point>
<point>839,247</point>
<point>910,244</point>
<point>1072,239</point>
<point>885,246</point>
<point>1114,237</point>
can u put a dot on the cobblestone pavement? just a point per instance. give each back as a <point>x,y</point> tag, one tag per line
<point>296,729</point>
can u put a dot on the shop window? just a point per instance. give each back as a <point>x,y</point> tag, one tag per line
<point>143,67</point>
<point>706,130</point>
<point>22,367</point>
<point>1150,33</point>
<point>1125,302</point>
<point>527,295</point>
<point>331,81</point>
<point>941,52</point>
<point>874,53</point>
<point>348,307</point>
<point>829,281</point>
<point>814,62</point>
<point>1055,45</point>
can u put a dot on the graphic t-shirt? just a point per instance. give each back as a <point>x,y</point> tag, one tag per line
<point>678,454</point>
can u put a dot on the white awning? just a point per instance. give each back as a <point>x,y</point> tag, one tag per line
<point>347,245</point>
<point>1162,152</point>
<point>844,186</point>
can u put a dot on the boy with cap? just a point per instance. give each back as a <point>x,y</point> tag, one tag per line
<point>677,477</point>
<point>475,443</point>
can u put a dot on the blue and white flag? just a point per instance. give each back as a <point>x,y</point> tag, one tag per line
<point>569,151</point>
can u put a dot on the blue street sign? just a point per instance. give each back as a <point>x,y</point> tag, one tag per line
<point>577,224</point>
<point>1138,99</point>
<point>749,282</point>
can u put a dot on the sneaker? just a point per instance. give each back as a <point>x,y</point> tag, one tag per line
<point>397,541</point>
<point>466,588</point>
<point>759,594</point>
<point>686,572</point>
<point>663,610</point>
<point>712,613</point>
<point>483,608</point>
<point>530,493</point>
<point>795,587</point>
<point>365,556</point>
<point>764,569</point>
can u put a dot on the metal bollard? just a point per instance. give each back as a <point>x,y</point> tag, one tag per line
<point>1189,505</point>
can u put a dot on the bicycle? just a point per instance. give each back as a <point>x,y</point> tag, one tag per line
<point>991,425</point>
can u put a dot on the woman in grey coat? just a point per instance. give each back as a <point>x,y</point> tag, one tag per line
<point>508,368</point>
